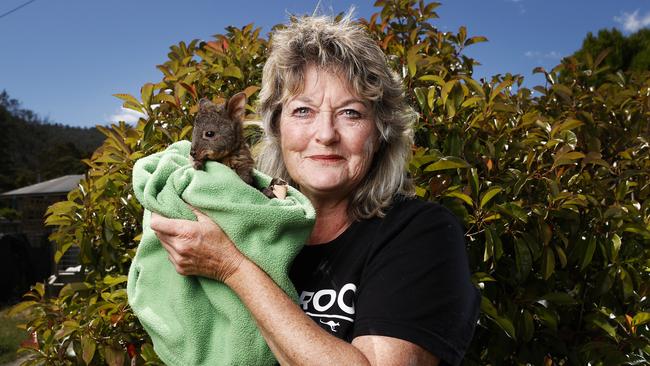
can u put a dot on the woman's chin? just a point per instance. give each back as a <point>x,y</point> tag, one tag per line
<point>323,189</point>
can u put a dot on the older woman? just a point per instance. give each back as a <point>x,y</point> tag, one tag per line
<point>383,279</point>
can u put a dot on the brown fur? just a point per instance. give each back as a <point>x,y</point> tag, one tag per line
<point>219,136</point>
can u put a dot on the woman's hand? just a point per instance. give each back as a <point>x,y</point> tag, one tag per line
<point>197,248</point>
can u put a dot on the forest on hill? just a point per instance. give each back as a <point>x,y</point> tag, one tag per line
<point>33,150</point>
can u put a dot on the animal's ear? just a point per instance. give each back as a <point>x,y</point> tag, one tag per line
<point>236,106</point>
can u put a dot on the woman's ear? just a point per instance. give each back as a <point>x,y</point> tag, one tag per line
<point>236,106</point>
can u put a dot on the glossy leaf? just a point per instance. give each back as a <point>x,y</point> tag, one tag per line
<point>448,162</point>
<point>88,346</point>
<point>487,196</point>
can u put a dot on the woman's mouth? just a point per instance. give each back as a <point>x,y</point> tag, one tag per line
<point>326,158</point>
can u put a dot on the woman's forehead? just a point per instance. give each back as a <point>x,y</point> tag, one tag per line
<point>317,83</point>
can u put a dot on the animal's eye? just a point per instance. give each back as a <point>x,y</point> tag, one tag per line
<point>209,135</point>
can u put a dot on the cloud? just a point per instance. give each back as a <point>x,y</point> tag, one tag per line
<point>632,22</point>
<point>553,55</point>
<point>519,4</point>
<point>127,115</point>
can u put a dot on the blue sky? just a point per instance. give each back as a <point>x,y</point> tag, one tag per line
<point>63,59</point>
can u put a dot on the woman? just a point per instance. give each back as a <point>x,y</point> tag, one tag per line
<point>383,279</point>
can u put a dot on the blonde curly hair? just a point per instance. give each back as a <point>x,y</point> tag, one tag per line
<point>345,48</point>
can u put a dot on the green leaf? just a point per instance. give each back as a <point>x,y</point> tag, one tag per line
<point>563,91</point>
<point>473,179</point>
<point>560,255</point>
<point>448,162</point>
<point>475,86</point>
<point>513,209</point>
<point>69,326</point>
<point>476,39</point>
<point>567,158</point>
<point>431,97</point>
<point>589,253</point>
<point>444,93</point>
<point>20,307</point>
<point>489,195</point>
<point>435,78</point>
<point>523,258</point>
<point>616,245</point>
<point>488,308</point>
<point>73,288</point>
<point>604,325</point>
<point>233,71</point>
<point>548,263</point>
<point>626,280</point>
<point>559,298</point>
<point>482,277</point>
<point>412,58</point>
<point>147,353</point>
<point>114,280</point>
<point>527,326</point>
<point>422,99</point>
<point>114,356</point>
<point>61,251</point>
<point>547,317</point>
<point>493,240</point>
<point>146,92</point>
<point>569,124</point>
<point>88,347</point>
<point>458,194</point>
<point>128,98</point>
<point>462,34</point>
<point>641,318</point>
<point>471,101</point>
<point>503,322</point>
<point>504,84</point>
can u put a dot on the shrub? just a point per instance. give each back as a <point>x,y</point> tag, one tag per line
<point>552,186</point>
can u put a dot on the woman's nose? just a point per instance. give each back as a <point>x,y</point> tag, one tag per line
<point>326,132</point>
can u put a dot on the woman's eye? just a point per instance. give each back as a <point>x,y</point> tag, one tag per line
<point>351,113</point>
<point>301,111</point>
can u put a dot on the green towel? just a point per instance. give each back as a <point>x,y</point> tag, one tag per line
<point>194,320</point>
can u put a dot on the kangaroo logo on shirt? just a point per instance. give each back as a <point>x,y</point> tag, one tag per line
<point>331,324</point>
<point>330,303</point>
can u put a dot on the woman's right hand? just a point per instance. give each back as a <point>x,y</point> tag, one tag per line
<point>197,248</point>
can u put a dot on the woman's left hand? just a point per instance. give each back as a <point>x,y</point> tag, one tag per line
<point>197,248</point>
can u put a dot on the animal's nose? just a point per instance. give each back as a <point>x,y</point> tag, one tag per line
<point>193,153</point>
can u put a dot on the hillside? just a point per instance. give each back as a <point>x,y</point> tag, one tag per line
<point>33,150</point>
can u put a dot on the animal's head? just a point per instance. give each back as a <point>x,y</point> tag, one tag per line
<point>218,130</point>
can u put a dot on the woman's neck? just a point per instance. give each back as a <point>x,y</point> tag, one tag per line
<point>331,220</point>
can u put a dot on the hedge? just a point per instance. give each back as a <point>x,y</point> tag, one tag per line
<point>552,184</point>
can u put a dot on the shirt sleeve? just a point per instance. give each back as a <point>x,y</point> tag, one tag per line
<point>417,287</point>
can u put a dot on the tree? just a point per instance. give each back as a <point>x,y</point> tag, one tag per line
<point>554,192</point>
<point>32,150</point>
<point>619,52</point>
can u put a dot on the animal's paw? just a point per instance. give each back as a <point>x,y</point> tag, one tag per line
<point>276,189</point>
<point>196,164</point>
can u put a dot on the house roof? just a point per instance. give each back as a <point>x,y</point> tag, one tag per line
<point>62,184</point>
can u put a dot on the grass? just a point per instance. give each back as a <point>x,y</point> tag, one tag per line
<point>10,335</point>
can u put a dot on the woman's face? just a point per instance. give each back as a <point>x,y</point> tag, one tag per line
<point>327,136</point>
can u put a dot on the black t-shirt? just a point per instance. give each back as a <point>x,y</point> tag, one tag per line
<point>404,276</point>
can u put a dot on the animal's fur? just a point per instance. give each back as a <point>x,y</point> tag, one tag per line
<point>219,136</point>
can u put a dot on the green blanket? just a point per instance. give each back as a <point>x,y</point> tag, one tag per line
<point>194,320</point>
